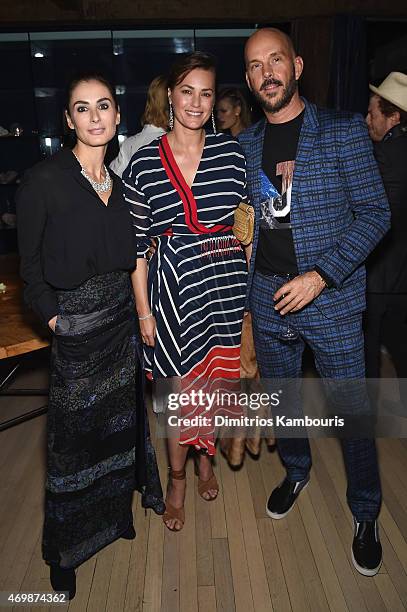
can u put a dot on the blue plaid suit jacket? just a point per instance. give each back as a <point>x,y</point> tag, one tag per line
<point>339,209</point>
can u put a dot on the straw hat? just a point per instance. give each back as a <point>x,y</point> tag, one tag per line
<point>393,89</point>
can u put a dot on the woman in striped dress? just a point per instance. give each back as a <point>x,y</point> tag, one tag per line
<point>182,190</point>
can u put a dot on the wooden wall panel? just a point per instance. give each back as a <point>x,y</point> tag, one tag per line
<point>312,37</point>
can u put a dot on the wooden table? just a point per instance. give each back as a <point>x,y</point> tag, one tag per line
<point>20,330</point>
<point>20,333</point>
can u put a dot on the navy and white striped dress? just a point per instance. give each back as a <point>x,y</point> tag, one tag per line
<point>197,276</point>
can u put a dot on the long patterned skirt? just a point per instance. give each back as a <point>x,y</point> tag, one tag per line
<point>99,449</point>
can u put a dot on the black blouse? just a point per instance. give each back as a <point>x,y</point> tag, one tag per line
<point>66,234</point>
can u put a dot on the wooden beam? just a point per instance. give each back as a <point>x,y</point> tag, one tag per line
<point>133,12</point>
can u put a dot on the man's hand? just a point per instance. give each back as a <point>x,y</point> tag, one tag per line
<point>298,292</point>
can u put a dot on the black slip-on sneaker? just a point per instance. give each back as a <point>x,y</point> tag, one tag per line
<point>366,548</point>
<point>283,498</point>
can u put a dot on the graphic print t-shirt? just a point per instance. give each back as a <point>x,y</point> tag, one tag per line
<point>275,251</point>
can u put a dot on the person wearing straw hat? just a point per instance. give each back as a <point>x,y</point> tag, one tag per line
<point>388,108</point>
<point>386,315</point>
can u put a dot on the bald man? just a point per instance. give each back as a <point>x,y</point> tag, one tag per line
<point>320,209</point>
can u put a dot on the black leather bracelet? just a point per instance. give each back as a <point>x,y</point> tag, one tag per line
<point>327,280</point>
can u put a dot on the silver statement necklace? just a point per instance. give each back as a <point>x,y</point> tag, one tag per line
<point>99,187</point>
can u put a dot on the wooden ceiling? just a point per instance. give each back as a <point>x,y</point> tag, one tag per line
<point>193,12</point>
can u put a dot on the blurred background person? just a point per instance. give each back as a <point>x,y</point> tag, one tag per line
<point>233,115</point>
<point>386,314</point>
<point>154,122</point>
<point>232,111</point>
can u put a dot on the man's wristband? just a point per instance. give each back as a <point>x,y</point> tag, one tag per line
<point>327,280</point>
<point>322,278</point>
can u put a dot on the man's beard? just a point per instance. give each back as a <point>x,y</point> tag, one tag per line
<point>270,104</point>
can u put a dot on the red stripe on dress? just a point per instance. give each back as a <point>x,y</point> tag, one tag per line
<point>200,444</point>
<point>168,161</point>
<point>221,358</point>
<point>218,362</point>
<point>180,185</point>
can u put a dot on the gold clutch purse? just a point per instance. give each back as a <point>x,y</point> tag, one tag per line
<point>243,227</point>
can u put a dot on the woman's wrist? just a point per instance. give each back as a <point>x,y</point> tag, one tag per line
<point>144,317</point>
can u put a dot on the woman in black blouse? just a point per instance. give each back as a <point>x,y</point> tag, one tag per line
<point>77,249</point>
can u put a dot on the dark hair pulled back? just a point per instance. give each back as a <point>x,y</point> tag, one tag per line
<point>185,63</point>
<point>86,77</point>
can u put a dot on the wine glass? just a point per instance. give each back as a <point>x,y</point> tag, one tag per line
<point>289,334</point>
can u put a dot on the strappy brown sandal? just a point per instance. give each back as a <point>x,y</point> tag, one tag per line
<point>204,486</point>
<point>207,485</point>
<point>172,513</point>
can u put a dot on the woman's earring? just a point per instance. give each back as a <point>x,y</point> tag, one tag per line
<point>213,123</point>
<point>171,117</point>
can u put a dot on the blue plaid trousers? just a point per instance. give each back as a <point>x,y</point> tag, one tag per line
<point>338,350</point>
